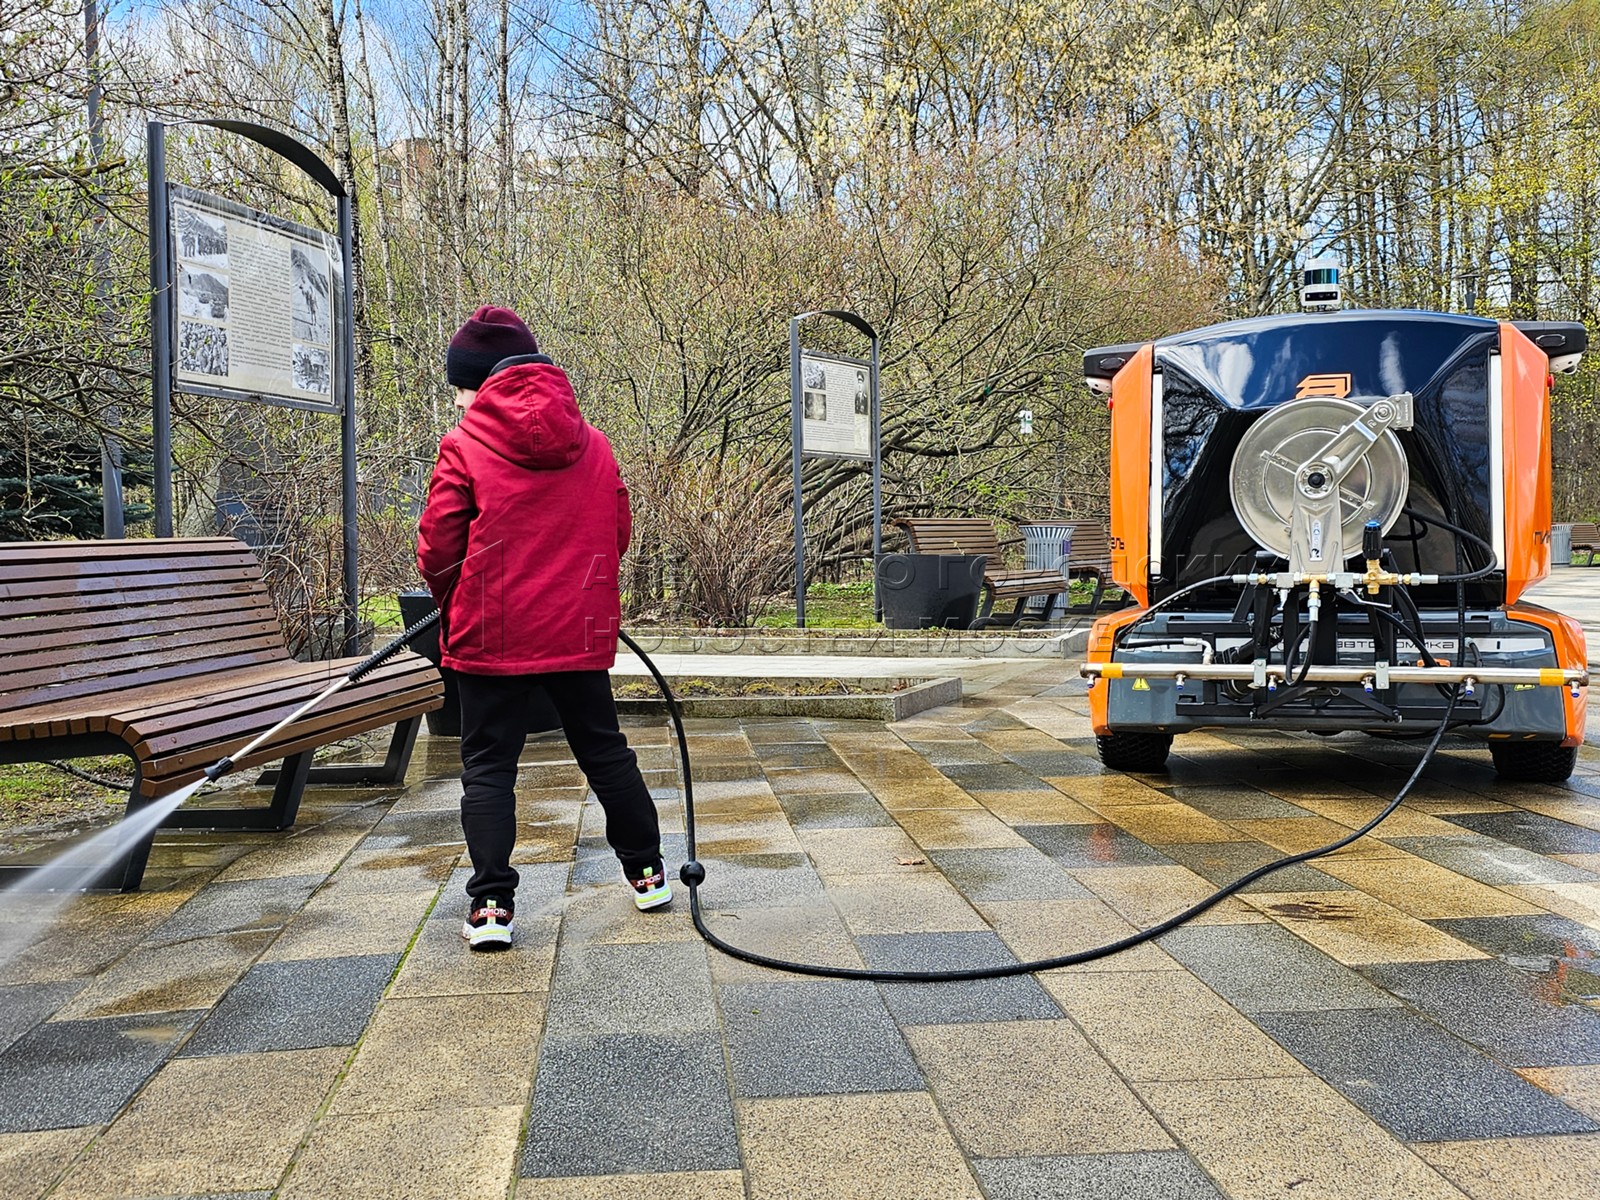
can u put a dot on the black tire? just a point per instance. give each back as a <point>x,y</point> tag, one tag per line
<point>1141,752</point>
<point>1533,762</point>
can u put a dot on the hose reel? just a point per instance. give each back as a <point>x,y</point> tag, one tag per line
<point>1310,474</point>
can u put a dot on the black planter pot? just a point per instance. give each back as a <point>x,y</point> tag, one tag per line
<point>930,591</point>
<point>446,721</point>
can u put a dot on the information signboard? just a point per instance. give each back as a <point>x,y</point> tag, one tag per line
<point>256,302</point>
<point>836,407</point>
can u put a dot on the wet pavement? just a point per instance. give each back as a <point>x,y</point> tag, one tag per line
<point>296,1016</point>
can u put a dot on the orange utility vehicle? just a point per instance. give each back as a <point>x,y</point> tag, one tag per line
<point>1329,523</point>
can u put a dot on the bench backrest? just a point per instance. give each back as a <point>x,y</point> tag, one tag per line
<point>1091,546</point>
<point>952,535</point>
<point>1585,533</point>
<point>78,619</point>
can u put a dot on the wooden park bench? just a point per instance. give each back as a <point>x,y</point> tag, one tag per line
<point>976,535</point>
<point>170,652</point>
<point>1586,537</point>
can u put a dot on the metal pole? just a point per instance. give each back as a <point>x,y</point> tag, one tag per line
<point>877,485</point>
<point>160,322</point>
<point>795,434</point>
<point>347,429</point>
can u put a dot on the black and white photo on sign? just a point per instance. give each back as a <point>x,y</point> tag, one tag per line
<point>816,406</point>
<point>815,378</point>
<point>202,349</point>
<point>202,293</point>
<point>863,404</point>
<point>312,307</point>
<point>201,239</point>
<point>312,370</point>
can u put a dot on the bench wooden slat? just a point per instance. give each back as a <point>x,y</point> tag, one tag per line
<point>86,629</point>
<point>190,660</point>
<point>23,573</point>
<point>211,580</point>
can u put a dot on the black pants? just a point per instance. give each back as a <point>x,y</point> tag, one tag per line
<point>494,729</point>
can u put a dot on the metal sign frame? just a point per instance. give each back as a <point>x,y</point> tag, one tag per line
<point>163,305</point>
<point>797,436</point>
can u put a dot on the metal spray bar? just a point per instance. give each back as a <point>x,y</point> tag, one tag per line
<point>1378,675</point>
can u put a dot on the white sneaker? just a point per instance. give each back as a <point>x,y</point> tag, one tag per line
<point>650,888</point>
<point>489,924</point>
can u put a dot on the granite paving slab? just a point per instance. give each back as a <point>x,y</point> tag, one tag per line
<point>402,829</point>
<point>994,777</point>
<point>813,1038</point>
<point>295,1005</point>
<point>1416,1080</point>
<point>738,881</point>
<point>1530,831</point>
<point>63,1074</point>
<point>1489,860</point>
<point>1511,1013</point>
<point>596,862</point>
<point>834,810</point>
<point>1011,998</point>
<point>24,1005</point>
<point>1098,845</point>
<point>240,907</point>
<point>649,987</point>
<point>1545,944</point>
<point>588,1117</point>
<point>780,755</point>
<point>1056,762</point>
<point>1265,968</point>
<point>965,752</point>
<point>1223,862</point>
<point>1140,1175</point>
<point>1235,803</point>
<point>1007,873</point>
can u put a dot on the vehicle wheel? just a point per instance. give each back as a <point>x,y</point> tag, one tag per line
<point>1533,762</point>
<point>1134,751</point>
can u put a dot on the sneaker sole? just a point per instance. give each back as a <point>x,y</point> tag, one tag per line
<point>658,898</point>
<point>490,937</point>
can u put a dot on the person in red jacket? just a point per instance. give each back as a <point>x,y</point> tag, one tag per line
<point>520,543</point>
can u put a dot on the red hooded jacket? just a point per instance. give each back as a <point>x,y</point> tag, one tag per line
<point>526,523</point>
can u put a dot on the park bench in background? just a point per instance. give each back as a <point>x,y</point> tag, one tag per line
<point>1586,537</point>
<point>976,535</point>
<point>169,651</point>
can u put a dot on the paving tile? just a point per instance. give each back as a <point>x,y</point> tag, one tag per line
<point>1142,1175</point>
<point>31,1162</point>
<point>367,871</point>
<point>811,781</point>
<point>994,777</point>
<point>814,933</point>
<point>438,962</point>
<point>295,1006</point>
<point>1416,1080</point>
<point>1237,803</point>
<point>1265,968</point>
<point>888,1146</point>
<point>1147,895</point>
<point>962,751</point>
<point>1088,846</point>
<point>1565,953</point>
<point>744,881</point>
<point>955,828</point>
<point>337,923</point>
<point>1006,873</point>
<point>24,1005</point>
<point>1032,1088</point>
<point>813,1038</point>
<point>1489,860</point>
<point>169,977</point>
<point>253,1108</point>
<point>315,851</point>
<point>1297,835</point>
<point>835,810</point>
<point>700,1185</point>
<point>408,1156</point>
<point>1521,1168</point>
<point>1166,1025</point>
<point>1356,930</point>
<point>1163,824</point>
<point>1012,998</point>
<point>916,900</point>
<point>1096,790</point>
<point>1575,901</point>
<point>592,1084</point>
<point>1405,821</point>
<point>835,852</point>
<point>747,835</point>
<point>1424,889</point>
<point>1038,808</point>
<point>1576,1087</point>
<point>247,906</point>
<point>1265,1139</point>
<point>1506,1011</point>
<point>1037,929</point>
<point>1221,863</point>
<point>596,863</point>
<point>431,1053</point>
<point>1531,831</point>
<point>597,989</point>
<point>63,1074</point>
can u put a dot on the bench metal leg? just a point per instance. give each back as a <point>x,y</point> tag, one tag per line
<point>267,818</point>
<point>391,770</point>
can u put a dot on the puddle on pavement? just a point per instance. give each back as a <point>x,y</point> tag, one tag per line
<point>426,859</point>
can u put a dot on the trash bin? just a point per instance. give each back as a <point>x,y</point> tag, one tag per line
<point>446,721</point>
<point>1046,547</point>
<point>930,591</point>
<point>1561,545</point>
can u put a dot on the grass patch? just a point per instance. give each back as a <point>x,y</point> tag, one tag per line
<point>35,797</point>
<point>733,688</point>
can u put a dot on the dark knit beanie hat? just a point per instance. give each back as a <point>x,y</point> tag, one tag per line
<point>489,335</point>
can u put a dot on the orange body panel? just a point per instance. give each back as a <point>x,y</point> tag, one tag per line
<point>1102,641</point>
<point>1525,435</point>
<point>1572,650</point>
<point>1130,475</point>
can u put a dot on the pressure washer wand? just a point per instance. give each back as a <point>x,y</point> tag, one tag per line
<point>365,667</point>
